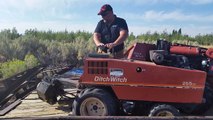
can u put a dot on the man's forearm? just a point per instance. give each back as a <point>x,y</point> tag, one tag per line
<point>97,39</point>
<point>119,40</point>
<point>123,36</point>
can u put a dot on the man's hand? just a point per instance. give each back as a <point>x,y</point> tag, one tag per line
<point>100,44</point>
<point>110,45</point>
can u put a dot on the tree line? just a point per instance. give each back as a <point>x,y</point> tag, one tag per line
<point>49,47</point>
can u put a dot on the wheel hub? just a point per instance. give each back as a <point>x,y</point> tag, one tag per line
<point>93,107</point>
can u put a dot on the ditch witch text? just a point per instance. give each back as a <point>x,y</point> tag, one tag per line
<point>109,79</point>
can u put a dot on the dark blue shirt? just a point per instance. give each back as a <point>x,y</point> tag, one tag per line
<point>109,33</point>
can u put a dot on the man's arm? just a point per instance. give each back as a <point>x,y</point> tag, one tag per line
<point>97,39</point>
<point>122,37</point>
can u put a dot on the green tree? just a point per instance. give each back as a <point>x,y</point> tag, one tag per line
<point>31,61</point>
<point>180,32</point>
<point>12,67</point>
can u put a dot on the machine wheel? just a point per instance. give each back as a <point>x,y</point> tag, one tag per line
<point>94,102</point>
<point>202,108</point>
<point>164,111</point>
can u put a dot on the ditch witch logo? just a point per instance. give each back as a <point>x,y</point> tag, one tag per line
<point>109,79</point>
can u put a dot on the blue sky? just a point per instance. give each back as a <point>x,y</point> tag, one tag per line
<point>192,16</point>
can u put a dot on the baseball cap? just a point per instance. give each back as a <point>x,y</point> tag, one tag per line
<point>104,9</point>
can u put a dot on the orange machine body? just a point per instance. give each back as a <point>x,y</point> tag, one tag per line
<point>142,80</point>
<point>185,50</point>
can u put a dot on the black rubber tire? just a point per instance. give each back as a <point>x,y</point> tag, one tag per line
<point>105,102</point>
<point>203,107</point>
<point>164,110</point>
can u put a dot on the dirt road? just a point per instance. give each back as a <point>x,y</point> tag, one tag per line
<point>32,106</point>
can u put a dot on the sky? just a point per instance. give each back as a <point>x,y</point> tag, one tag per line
<point>192,16</point>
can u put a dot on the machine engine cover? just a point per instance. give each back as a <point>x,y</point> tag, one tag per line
<point>140,51</point>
